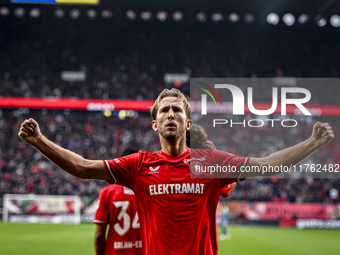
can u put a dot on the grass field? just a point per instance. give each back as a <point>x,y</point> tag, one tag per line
<point>35,239</point>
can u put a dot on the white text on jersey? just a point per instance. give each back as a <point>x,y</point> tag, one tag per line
<point>176,188</point>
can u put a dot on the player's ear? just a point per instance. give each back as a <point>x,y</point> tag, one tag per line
<point>154,125</point>
<point>189,124</point>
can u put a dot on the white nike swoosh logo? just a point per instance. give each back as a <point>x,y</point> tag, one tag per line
<point>153,169</point>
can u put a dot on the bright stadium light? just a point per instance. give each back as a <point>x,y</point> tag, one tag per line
<point>75,14</point>
<point>107,14</point>
<point>4,11</point>
<point>35,13</point>
<point>91,14</point>
<point>59,13</point>
<point>19,12</point>
<point>201,17</point>
<point>335,20</point>
<point>248,18</point>
<point>131,15</point>
<point>303,18</point>
<point>146,16</point>
<point>288,19</point>
<point>320,21</point>
<point>273,18</point>
<point>217,17</point>
<point>162,16</point>
<point>177,16</point>
<point>234,17</point>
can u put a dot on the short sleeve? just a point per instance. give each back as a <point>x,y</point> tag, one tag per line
<point>233,163</point>
<point>226,190</point>
<point>123,170</point>
<point>102,213</point>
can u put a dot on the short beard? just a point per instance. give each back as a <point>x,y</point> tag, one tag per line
<point>170,137</point>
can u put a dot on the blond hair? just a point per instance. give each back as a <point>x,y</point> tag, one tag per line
<point>170,93</point>
<point>196,137</point>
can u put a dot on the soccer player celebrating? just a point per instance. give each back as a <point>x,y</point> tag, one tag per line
<point>171,204</point>
<point>117,207</point>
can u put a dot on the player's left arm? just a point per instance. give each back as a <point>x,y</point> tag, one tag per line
<point>100,239</point>
<point>322,134</point>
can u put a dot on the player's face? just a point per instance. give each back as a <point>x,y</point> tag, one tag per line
<point>171,121</point>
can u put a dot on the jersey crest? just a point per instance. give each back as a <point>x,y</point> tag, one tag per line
<point>195,167</point>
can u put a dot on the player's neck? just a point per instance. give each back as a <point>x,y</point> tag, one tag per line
<point>174,148</point>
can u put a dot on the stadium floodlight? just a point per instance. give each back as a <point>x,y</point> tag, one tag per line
<point>4,11</point>
<point>201,17</point>
<point>217,17</point>
<point>162,16</point>
<point>288,19</point>
<point>234,17</point>
<point>107,14</point>
<point>131,15</point>
<point>273,18</point>
<point>35,13</point>
<point>335,20</point>
<point>91,14</point>
<point>248,18</point>
<point>177,16</point>
<point>146,15</point>
<point>59,13</point>
<point>303,18</point>
<point>75,14</point>
<point>320,21</point>
<point>19,12</point>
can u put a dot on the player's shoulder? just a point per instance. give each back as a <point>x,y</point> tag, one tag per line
<point>143,154</point>
<point>150,156</point>
<point>209,152</point>
<point>112,188</point>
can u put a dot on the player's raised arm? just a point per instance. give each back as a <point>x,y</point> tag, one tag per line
<point>65,159</point>
<point>322,134</point>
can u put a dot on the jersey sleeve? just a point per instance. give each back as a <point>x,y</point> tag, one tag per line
<point>226,190</point>
<point>102,213</point>
<point>234,164</point>
<point>123,170</point>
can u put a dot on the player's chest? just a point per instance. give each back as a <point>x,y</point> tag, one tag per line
<point>162,178</point>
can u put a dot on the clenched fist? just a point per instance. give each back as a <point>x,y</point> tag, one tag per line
<point>30,132</point>
<point>322,134</point>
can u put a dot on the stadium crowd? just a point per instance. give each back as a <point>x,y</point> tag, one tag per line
<point>23,170</point>
<point>133,68</point>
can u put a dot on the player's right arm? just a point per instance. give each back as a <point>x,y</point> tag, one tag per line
<point>322,134</point>
<point>65,159</point>
<point>100,239</point>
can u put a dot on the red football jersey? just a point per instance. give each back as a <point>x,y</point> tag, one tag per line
<point>117,207</point>
<point>177,212</point>
<point>227,190</point>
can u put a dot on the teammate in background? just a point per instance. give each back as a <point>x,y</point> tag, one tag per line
<point>226,191</point>
<point>171,202</point>
<point>225,235</point>
<point>197,139</point>
<point>117,208</point>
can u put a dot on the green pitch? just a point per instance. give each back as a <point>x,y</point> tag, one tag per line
<point>33,239</point>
